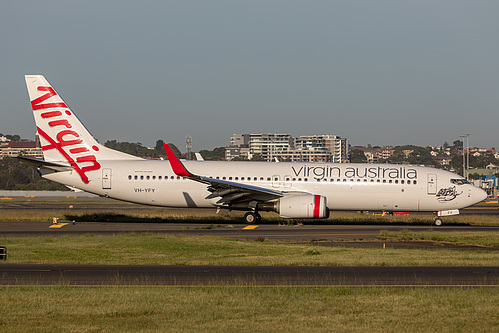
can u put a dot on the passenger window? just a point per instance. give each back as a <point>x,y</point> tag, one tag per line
<point>148,177</point>
<point>135,177</point>
<point>129,177</point>
<point>141,177</point>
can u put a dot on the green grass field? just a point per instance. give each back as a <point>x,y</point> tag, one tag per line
<point>240,309</point>
<point>164,249</point>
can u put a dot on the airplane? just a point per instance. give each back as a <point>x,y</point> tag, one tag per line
<point>294,190</point>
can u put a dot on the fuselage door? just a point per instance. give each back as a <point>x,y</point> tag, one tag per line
<point>432,183</point>
<point>106,178</point>
<point>287,181</point>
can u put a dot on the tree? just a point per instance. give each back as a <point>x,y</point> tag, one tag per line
<point>240,158</point>
<point>15,175</point>
<point>257,157</point>
<point>135,149</point>
<point>217,154</point>
<point>357,156</point>
<point>160,150</point>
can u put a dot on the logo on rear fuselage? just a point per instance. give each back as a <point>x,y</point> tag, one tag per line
<point>67,141</point>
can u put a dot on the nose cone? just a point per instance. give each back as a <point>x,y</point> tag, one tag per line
<point>479,195</point>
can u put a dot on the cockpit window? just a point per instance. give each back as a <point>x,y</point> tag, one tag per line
<point>460,181</point>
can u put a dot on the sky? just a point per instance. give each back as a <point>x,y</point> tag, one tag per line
<point>375,72</point>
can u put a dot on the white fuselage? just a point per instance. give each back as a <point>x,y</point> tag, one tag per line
<point>346,186</point>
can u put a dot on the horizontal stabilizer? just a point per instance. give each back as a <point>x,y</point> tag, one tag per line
<point>41,163</point>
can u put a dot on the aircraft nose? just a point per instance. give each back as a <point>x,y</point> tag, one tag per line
<point>479,194</point>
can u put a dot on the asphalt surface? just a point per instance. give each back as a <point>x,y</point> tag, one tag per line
<point>250,276</point>
<point>239,231</point>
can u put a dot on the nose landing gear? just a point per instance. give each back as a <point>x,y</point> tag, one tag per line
<point>437,221</point>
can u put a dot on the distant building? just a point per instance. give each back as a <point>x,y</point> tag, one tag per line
<point>374,154</point>
<point>310,148</point>
<point>23,148</point>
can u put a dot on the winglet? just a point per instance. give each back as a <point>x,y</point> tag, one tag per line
<point>177,166</point>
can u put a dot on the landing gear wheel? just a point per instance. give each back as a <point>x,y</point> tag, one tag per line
<point>437,222</point>
<point>252,217</point>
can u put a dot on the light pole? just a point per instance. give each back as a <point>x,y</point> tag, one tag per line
<point>466,158</point>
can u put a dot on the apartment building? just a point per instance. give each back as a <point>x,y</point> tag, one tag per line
<point>309,148</point>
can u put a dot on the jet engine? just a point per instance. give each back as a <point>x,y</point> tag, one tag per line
<point>303,206</point>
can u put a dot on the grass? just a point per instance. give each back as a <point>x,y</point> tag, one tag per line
<point>240,309</point>
<point>490,239</point>
<point>163,249</point>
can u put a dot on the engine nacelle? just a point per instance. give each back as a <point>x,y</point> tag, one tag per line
<point>303,206</point>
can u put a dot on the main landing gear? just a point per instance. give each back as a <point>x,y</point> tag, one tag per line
<point>252,217</point>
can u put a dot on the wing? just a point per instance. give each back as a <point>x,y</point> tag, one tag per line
<point>230,193</point>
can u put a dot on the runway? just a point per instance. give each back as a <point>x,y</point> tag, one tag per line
<point>247,276</point>
<point>240,231</point>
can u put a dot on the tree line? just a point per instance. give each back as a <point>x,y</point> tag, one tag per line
<point>15,175</point>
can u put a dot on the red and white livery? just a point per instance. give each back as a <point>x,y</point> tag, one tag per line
<point>294,190</point>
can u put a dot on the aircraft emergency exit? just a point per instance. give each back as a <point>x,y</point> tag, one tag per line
<point>294,190</point>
